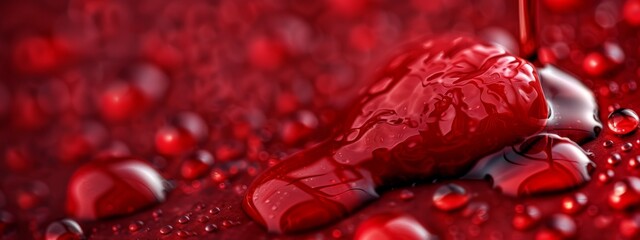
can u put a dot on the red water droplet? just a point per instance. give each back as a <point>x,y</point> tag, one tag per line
<point>182,233</point>
<point>196,165</point>
<point>406,195</point>
<point>450,197</point>
<point>32,194</point>
<point>38,55</point>
<point>596,64</point>
<point>156,214</point>
<point>173,141</point>
<point>634,162</point>
<point>575,203</point>
<point>184,219</point>
<point>18,159</point>
<point>542,163</point>
<point>631,12</point>
<point>211,228</point>
<point>623,121</point>
<point>625,194</point>
<point>479,212</point>
<point>614,159</point>
<point>385,142</point>
<point>135,226</point>
<point>606,176</point>
<point>336,233</point>
<point>166,230</point>
<point>391,226</point>
<point>630,227</point>
<point>267,53</point>
<point>607,144</point>
<point>526,217</point>
<point>65,229</point>
<point>559,226</point>
<point>214,211</point>
<point>113,187</point>
<point>203,218</point>
<point>121,101</point>
<point>626,147</point>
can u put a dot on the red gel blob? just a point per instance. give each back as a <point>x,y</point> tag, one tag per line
<point>432,111</point>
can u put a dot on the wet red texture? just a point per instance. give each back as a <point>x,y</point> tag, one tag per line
<point>430,113</point>
<point>87,86</point>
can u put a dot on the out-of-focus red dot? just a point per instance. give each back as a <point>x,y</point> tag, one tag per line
<point>631,12</point>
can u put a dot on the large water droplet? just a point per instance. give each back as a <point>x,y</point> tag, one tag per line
<point>623,121</point>
<point>542,163</point>
<point>113,187</point>
<point>574,112</point>
<point>65,229</point>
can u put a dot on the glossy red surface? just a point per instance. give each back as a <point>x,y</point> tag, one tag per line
<point>268,79</point>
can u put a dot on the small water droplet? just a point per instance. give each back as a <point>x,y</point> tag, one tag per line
<point>575,203</point>
<point>614,159</point>
<point>606,176</point>
<point>203,218</point>
<point>626,147</point>
<point>166,230</point>
<point>625,194</point>
<point>406,195</point>
<point>623,121</point>
<point>634,162</point>
<point>559,226</point>
<point>211,228</point>
<point>214,210</point>
<point>526,217</point>
<point>184,219</point>
<point>135,226</point>
<point>450,197</point>
<point>607,144</point>
<point>630,227</point>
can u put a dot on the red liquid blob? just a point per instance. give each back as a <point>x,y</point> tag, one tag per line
<point>65,229</point>
<point>392,226</point>
<point>432,112</point>
<point>623,121</point>
<point>113,187</point>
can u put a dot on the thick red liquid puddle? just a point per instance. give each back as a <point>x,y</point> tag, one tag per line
<point>432,112</point>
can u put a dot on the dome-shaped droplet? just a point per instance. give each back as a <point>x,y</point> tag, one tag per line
<point>450,197</point>
<point>113,187</point>
<point>623,121</point>
<point>65,229</point>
